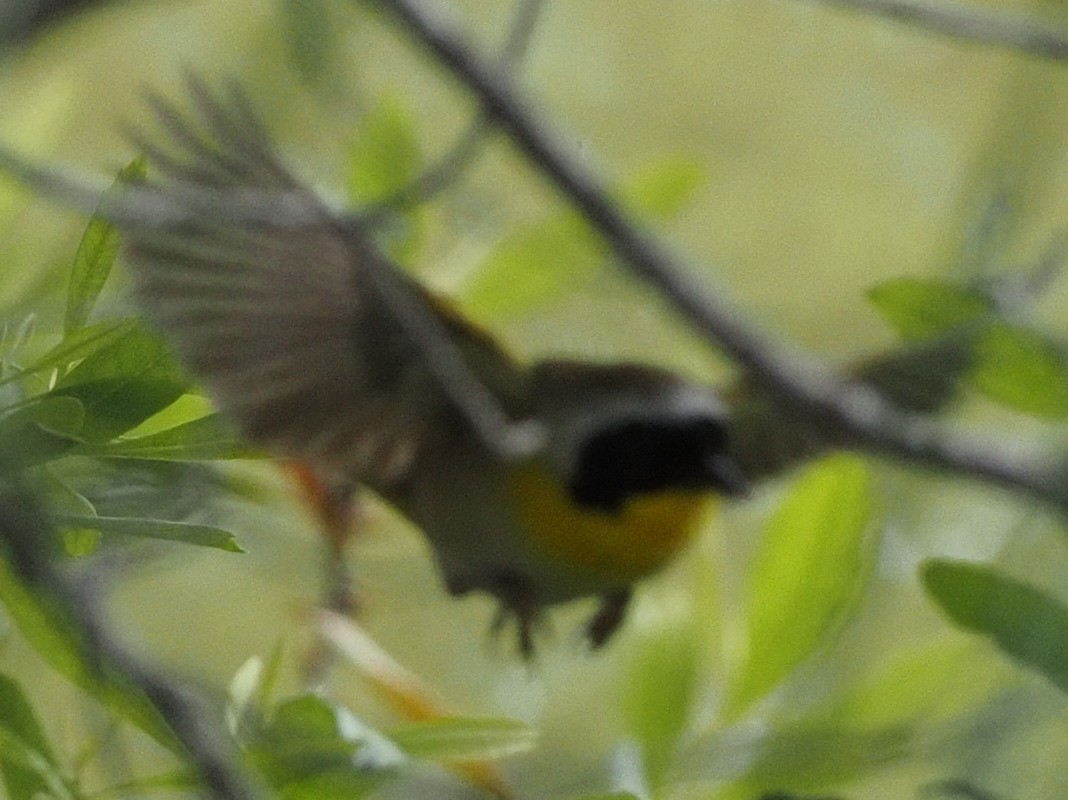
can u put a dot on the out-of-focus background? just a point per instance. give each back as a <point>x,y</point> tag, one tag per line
<point>798,156</point>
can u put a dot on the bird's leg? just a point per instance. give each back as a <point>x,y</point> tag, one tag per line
<point>335,505</point>
<point>609,616</point>
<point>332,501</point>
<point>518,603</point>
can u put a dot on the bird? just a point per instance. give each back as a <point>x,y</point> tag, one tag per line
<point>311,342</point>
<point>536,483</point>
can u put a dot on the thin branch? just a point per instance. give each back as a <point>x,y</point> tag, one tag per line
<point>860,414</point>
<point>970,24</point>
<point>25,532</point>
<point>470,145</point>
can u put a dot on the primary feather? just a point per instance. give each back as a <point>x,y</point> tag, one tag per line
<point>276,312</point>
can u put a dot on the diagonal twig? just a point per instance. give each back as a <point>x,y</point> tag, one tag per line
<point>968,23</point>
<point>472,142</point>
<point>866,419</point>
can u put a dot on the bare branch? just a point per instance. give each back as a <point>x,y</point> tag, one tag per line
<point>862,416</point>
<point>970,24</point>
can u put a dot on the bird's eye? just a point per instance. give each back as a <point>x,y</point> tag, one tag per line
<point>647,456</point>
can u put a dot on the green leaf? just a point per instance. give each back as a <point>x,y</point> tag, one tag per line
<point>199,535</point>
<point>124,383</point>
<point>40,430</point>
<point>809,570</point>
<point>80,542</point>
<point>59,644</point>
<point>185,781</point>
<point>137,352</point>
<point>114,405</point>
<point>547,259</point>
<point>209,438</point>
<point>27,774</point>
<point>95,257</point>
<point>190,407</point>
<point>385,157</point>
<point>311,719</point>
<point>664,189</point>
<point>63,498</point>
<point>61,415</point>
<point>312,36</point>
<point>755,760</point>
<point>810,758</point>
<point>1026,624</point>
<point>309,738</point>
<point>26,751</point>
<point>348,783</point>
<point>78,345</point>
<point>922,376</point>
<point>921,308</point>
<point>1022,370</point>
<point>458,739</point>
<point>532,267</point>
<point>661,682</point>
<point>920,684</point>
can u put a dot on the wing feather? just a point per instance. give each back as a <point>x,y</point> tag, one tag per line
<point>276,316</point>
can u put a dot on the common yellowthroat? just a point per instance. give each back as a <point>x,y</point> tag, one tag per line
<point>288,325</point>
<point>290,329</point>
<point>319,348</point>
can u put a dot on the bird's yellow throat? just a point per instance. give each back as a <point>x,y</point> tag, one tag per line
<point>619,547</point>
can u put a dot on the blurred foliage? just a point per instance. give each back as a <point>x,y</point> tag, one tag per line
<point>541,262</point>
<point>1014,365</point>
<point>1027,624</point>
<point>811,566</point>
<point>876,634</point>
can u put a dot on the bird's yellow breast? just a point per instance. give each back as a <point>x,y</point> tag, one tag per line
<point>615,548</point>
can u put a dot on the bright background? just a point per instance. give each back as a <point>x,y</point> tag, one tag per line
<point>819,152</point>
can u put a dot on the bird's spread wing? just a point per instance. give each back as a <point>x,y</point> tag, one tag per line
<point>264,293</point>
